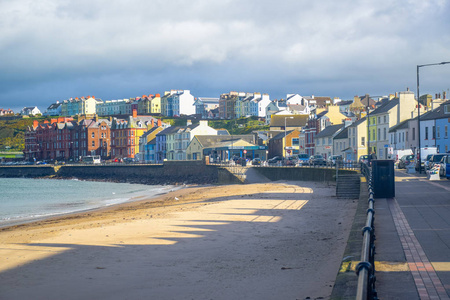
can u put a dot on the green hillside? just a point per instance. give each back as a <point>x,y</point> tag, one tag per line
<point>12,133</point>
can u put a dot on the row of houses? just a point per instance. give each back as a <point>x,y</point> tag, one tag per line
<point>172,103</point>
<point>384,127</point>
<point>4,112</point>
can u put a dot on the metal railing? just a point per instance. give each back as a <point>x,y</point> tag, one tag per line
<point>365,270</point>
<point>341,165</point>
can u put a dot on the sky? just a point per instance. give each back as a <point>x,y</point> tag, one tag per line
<point>52,50</point>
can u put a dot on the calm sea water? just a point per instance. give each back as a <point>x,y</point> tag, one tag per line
<point>23,200</point>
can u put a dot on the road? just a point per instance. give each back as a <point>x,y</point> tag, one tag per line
<point>413,231</point>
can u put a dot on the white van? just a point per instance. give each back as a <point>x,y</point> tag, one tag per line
<point>424,152</point>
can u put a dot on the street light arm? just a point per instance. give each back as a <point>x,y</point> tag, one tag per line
<point>435,64</point>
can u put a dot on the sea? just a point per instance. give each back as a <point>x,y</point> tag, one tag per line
<point>23,200</point>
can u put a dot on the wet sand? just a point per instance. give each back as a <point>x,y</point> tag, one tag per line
<point>281,240</point>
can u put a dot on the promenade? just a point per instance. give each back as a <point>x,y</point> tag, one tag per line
<point>413,239</point>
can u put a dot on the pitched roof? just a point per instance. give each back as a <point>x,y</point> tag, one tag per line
<point>437,113</point>
<point>297,121</point>
<point>212,140</point>
<point>385,107</point>
<point>401,125</point>
<point>329,130</point>
<point>342,135</point>
<point>356,123</point>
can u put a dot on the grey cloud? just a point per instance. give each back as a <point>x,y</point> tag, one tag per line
<point>57,48</point>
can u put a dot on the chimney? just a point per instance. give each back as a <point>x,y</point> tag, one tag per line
<point>96,118</point>
<point>159,123</point>
<point>189,122</point>
<point>153,122</point>
<point>35,124</point>
<point>134,113</point>
<point>445,95</point>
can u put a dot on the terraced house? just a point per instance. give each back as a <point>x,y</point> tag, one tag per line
<point>125,134</point>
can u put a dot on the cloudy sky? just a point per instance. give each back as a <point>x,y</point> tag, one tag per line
<point>56,49</point>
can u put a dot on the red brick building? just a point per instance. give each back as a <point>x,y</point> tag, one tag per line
<point>63,139</point>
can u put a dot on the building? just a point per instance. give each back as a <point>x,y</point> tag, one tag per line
<point>79,106</point>
<point>120,107</point>
<point>223,147</point>
<point>63,139</point>
<point>4,112</point>
<point>31,110</point>
<point>54,109</point>
<point>284,144</point>
<point>389,114</point>
<point>357,135</point>
<point>205,106</point>
<point>125,134</point>
<point>147,145</point>
<point>324,140</point>
<point>177,103</point>
<point>178,139</point>
<point>150,104</point>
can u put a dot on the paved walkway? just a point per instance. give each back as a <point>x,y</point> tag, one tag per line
<point>413,239</point>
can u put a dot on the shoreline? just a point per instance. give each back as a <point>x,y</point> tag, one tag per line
<point>37,219</point>
<point>160,200</point>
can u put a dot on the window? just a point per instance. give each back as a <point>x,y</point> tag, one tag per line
<point>379,134</point>
<point>426,133</point>
<point>445,131</point>
<point>434,132</point>
<point>295,142</point>
<point>414,134</point>
<point>379,120</point>
<point>93,143</point>
<point>384,119</point>
<point>384,134</point>
<point>93,135</point>
<point>438,134</point>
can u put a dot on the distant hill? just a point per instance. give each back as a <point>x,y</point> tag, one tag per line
<point>12,133</point>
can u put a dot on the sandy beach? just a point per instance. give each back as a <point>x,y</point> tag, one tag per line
<point>280,240</point>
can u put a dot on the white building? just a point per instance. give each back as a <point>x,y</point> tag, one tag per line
<point>31,110</point>
<point>54,109</point>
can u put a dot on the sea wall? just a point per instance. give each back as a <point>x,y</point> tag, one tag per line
<point>169,173</point>
<point>179,172</point>
<point>302,173</point>
<point>27,171</point>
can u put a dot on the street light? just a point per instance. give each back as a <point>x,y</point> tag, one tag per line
<point>285,118</point>
<point>418,107</point>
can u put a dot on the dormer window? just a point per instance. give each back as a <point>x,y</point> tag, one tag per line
<point>447,109</point>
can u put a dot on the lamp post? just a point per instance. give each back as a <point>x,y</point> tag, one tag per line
<point>418,108</point>
<point>285,118</point>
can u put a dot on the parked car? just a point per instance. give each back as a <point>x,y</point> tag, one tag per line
<point>443,165</point>
<point>363,159</point>
<point>332,160</point>
<point>290,161</point>
<point>303,159</point>
<point>317,160</point>
<point>427,161</point>
<point>435,159</point>
<point>274,160</point>
<point>256,162</point>
<point>405,160</point>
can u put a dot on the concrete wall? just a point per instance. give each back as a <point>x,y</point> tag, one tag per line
<point>178,172</point>
<point>27,171</point>
<point>301,174</point>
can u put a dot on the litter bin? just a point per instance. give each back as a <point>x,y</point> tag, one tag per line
<point>383,178</point>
